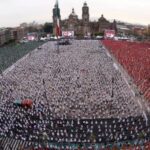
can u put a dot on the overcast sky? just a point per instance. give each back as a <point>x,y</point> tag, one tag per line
<point>14,12</point>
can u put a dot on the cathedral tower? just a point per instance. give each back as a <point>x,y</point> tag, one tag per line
<point>85,13</point>
<point>85,19</point>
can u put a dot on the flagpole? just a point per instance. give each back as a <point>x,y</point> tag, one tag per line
<point>57,26</point>
<point>112,90</point>
<point>57,45</point>
<point>45,94</point>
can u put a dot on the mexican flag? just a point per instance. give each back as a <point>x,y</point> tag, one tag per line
<point>58,20</point>
<point>58,27</point>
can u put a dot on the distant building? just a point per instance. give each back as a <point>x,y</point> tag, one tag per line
<point>5,35</point>
<point>8,34</point>
<point>139,31</point>
<point>123,29</point>
<point>18,33</point>
<point>2,37</point>
<point>81,27</point>
<point>24,25</point>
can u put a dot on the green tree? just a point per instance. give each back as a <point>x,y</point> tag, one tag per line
<point>32,29</point>
<point>48,28</point>
<point>99,34</point>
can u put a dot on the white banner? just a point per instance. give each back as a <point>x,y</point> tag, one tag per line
<point>68,33</point>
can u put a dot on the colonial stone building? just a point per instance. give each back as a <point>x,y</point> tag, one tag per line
<point>81,27</point>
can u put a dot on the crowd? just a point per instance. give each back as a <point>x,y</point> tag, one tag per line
<point>78,96</point>
<point>135,57</point>
<point>101,133</point>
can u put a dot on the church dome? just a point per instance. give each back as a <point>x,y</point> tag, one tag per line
<point>102,18</point>
<point>85,4</point>
<point>73,12</point>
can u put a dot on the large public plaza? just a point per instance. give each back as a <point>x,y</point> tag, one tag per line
<point>78,93</point>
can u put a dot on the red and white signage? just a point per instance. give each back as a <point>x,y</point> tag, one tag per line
<point>109,34</point>
<point>32,36</point>
<point>68,33</point>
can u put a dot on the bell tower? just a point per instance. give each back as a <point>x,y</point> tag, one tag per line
<point>85,19</point>
<point>85,14</point>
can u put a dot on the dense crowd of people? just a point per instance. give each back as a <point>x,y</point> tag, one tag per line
<point>78,96</point>
<point>135,57</point>
<point>129,132</point>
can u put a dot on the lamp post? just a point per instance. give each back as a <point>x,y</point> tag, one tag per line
<point>45,95</point>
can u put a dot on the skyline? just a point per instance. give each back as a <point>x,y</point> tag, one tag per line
<point>15,12</point>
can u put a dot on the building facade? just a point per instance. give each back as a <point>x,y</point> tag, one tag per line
<point>18,33</point>
<point>11,34</point>
<point>5,36</point>
<point>81,27</point>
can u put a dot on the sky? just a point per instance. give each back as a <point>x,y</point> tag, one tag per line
<point>14,12</point>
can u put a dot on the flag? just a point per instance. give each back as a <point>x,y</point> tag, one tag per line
<point>57,19</point>
<point>58,27</point>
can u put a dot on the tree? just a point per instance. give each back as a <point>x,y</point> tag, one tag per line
<point>32,29</point>
<point>99,33</point>
<point>48,28</point>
